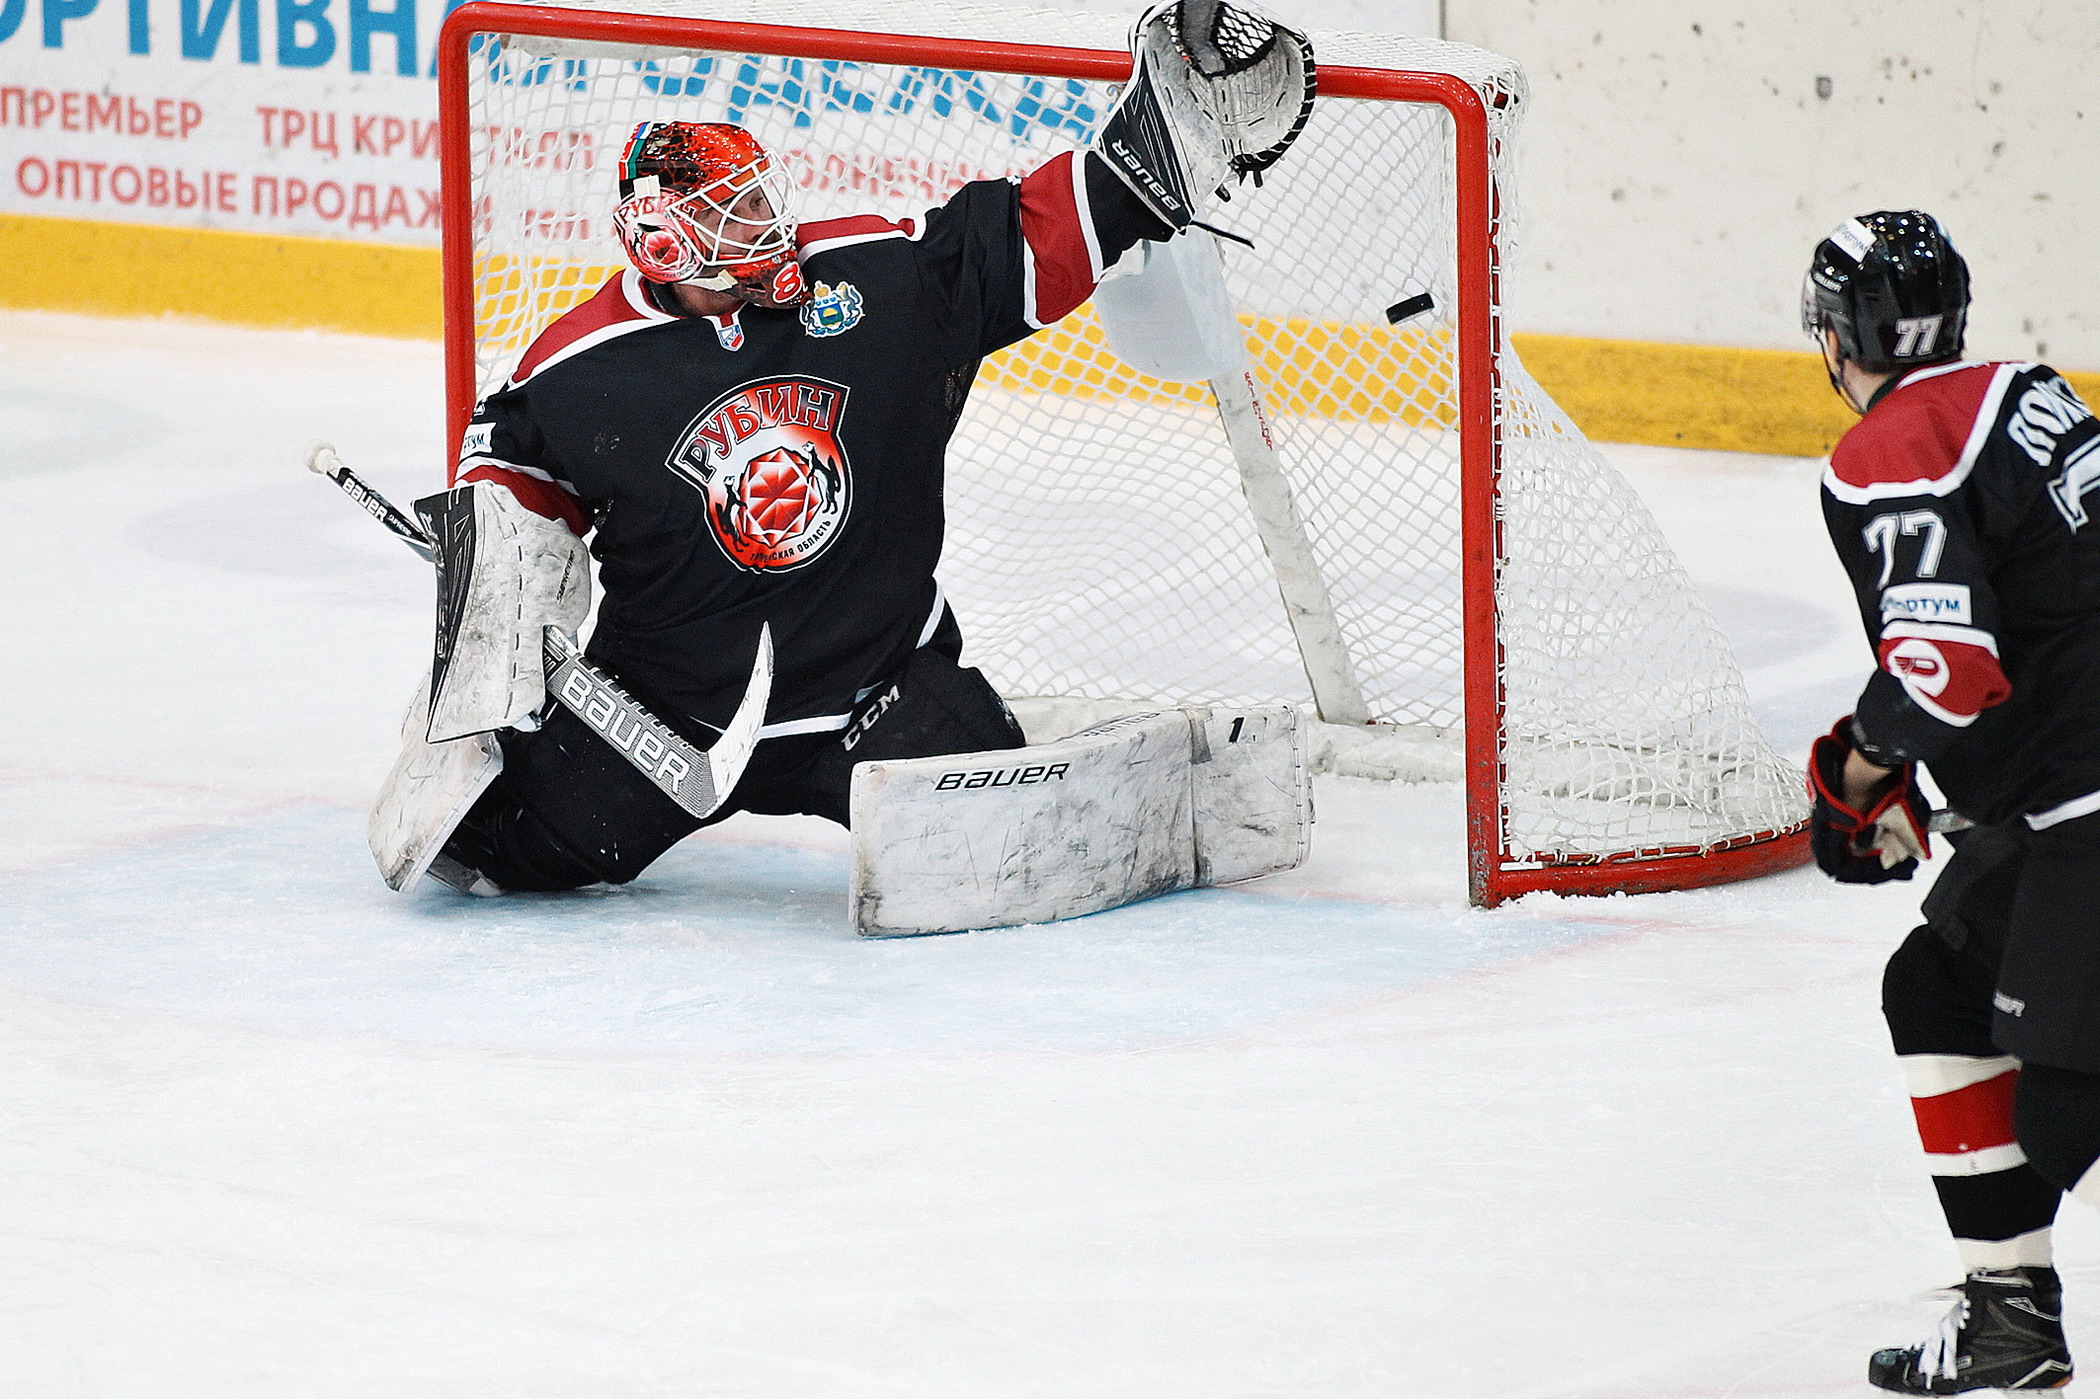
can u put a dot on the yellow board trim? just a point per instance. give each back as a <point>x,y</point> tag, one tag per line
<point>1709,396</point>
<point>123,269</point>
<point>1736,400</point>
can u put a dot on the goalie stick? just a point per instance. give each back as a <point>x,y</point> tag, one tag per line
<point>698,780</point>
<point>1173,319</point>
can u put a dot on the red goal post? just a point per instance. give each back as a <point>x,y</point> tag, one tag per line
<point>1479,412</point>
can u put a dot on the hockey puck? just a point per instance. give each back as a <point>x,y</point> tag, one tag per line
<point>1407,310</point>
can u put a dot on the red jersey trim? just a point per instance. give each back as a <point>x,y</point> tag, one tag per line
<point>1906,444</point>
<point>547,497</point>
<point>1061,253</point>
<point>480,460</point>
<point>618,308</point>
<point>825,235</point>
<point>1952,673</point>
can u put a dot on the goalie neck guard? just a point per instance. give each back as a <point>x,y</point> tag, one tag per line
<point>705,204</point>
<point>1893,289</point>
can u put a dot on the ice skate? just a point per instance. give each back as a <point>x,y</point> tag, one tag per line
<point>2005,1331</point>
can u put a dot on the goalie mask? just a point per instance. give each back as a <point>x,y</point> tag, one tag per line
<point>1892,288</point>
<point>705,204</point>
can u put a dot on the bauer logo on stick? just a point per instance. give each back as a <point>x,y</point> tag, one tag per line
<point>767,458</point>
<point>620,722</point>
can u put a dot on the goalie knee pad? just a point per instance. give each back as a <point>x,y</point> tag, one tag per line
<point>504,575</point>
<point>933,705</point>
<point>568,811</point>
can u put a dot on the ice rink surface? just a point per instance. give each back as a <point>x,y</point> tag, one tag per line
<point>268,1130</point>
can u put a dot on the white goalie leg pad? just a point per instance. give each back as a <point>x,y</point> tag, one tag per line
<point>1123,811</point>
<point>1250,792</point>
<point>426,796</point>
<point>505,573</point>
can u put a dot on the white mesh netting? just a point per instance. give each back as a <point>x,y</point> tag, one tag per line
<point>1099,548</point>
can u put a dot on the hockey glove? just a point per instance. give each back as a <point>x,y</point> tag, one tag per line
<point>1217,93</point>
<point>1885,841</point>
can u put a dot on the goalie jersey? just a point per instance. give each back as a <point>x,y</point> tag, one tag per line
<point>785,466</point>
<point>1962,505</point>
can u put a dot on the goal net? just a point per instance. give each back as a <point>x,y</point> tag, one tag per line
<point>1509,614</point>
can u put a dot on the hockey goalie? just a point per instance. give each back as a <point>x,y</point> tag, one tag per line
<point>748,426</point>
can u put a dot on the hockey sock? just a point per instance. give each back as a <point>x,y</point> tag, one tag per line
<point>1998,1207</point>
<point>1980,1205</point>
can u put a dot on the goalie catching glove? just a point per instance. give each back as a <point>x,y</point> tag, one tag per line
<point>1217,93</point>
<point>1885,841</point>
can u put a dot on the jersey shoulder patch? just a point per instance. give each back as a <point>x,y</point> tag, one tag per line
<point>615,309</point>
<point>1923,437</point>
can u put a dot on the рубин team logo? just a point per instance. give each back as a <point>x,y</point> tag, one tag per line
<point>766,458</point>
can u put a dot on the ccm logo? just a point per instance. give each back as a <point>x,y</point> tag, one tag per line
<point>868,720</point>
<point>1000,777</point>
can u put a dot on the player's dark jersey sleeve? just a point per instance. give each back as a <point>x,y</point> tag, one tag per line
<point>502,444</point>
<point>1925,597</point>
<point>1907,503</point>
<point>1005,258</point>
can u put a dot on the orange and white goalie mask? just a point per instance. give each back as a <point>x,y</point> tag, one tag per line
<point>704,203</point>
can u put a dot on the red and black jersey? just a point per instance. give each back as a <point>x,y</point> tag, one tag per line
<point>1959,506</point>
<point>785,466</point>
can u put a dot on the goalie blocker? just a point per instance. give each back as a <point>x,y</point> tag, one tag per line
<point>1139,806</point>
<point>533,571</point>
<point>505,574</point>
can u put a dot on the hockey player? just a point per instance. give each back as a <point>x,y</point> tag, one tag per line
<point>749,425</point>
<point>1959,506</point>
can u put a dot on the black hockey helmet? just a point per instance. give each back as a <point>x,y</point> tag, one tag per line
<point>1892,287</point>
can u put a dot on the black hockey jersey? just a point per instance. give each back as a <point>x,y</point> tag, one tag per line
<point>1959,506</point>
<point>785,466</point>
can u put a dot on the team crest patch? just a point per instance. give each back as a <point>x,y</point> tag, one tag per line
<point>766,459</point>
<point>832,310</point>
